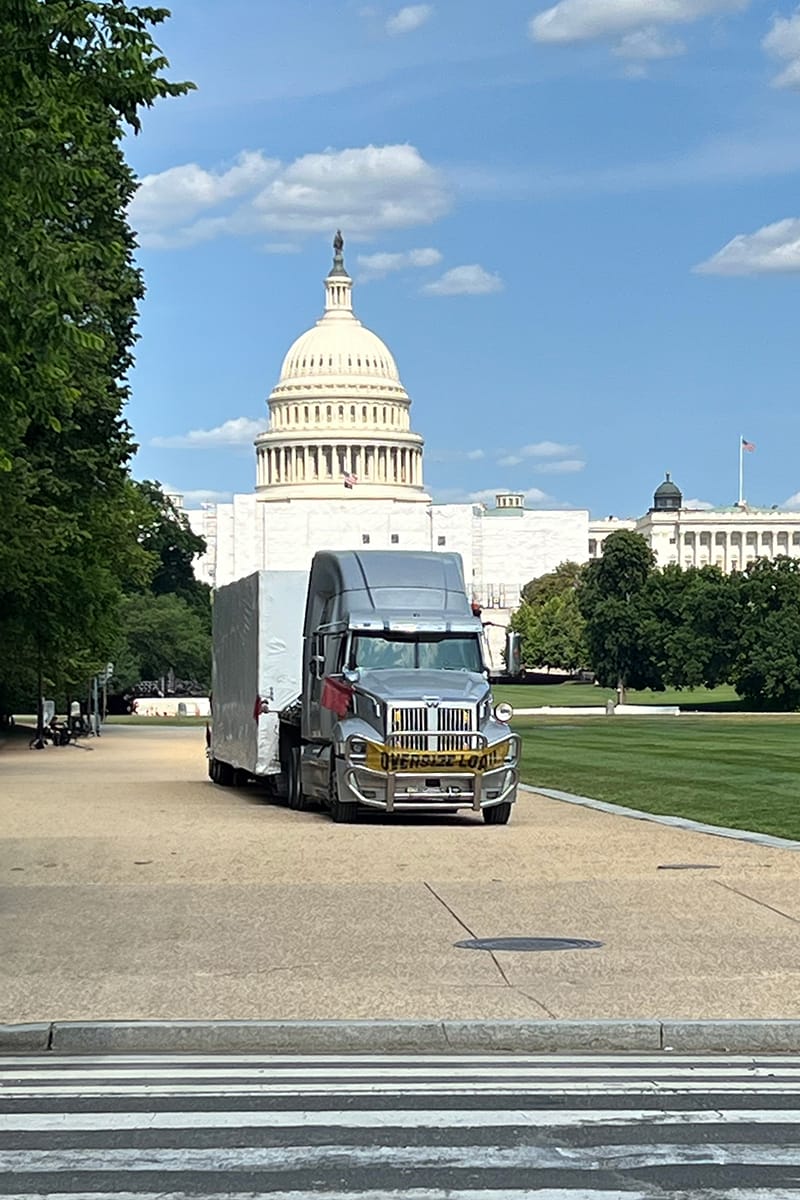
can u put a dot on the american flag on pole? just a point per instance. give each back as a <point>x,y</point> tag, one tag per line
<point>350,480</point>
<point>748,445</point>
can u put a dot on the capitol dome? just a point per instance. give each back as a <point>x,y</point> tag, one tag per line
<point>339,414</point>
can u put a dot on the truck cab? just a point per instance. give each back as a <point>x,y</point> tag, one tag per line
<point>396,711</point>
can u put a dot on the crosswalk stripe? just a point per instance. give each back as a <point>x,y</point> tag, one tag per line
<point>479,1157</point>
<point>416,1118</point>
<point>611,1088</point>
<point>401,1194</point>
<point>787,1072</point>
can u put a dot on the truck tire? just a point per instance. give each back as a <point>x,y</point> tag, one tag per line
<point>498,814</point>
<point>222,773</point>
<point>294,782</point>
<point>341,814</point>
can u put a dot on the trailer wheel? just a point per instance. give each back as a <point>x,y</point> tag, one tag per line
<point>294,782</point>
<point>221,773</point>
<point>498,814</point>
<point>342,814</point>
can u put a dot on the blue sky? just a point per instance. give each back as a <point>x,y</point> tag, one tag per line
<point>576,226</point>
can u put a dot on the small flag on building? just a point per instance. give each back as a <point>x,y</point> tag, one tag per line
<point>350,480</point>
<point>748,445</point>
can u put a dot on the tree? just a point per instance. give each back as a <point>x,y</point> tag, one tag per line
<point>698,614</point>
<point>165,533</point>
<point>766,671</point>
<point>159,635</point>
<point>552,633</point>
<point>556,583</point>
<point>75,73</point>
<point>621,629</point>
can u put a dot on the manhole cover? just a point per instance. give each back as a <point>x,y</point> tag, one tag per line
<point>528,944</point>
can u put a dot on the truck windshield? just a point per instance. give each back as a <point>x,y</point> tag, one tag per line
<point>429,651</point>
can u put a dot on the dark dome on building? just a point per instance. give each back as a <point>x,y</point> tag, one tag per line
<point>667,496</point>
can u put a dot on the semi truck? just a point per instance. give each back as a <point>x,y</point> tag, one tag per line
<point>361,684</point>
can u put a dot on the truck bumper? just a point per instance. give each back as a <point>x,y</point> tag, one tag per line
<point>417,792</point>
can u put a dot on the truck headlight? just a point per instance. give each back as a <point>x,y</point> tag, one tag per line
<point>503,712</point>
<point>358,747</point>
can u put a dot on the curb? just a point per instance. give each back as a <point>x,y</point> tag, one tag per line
<point>401,1037</point>
<point>636,814</point>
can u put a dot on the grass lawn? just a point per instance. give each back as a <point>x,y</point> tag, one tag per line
<point>534,695</point>
<point>133,719</point>
<point>740,771</point>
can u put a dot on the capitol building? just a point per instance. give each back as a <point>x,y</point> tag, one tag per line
<point>339,467</point>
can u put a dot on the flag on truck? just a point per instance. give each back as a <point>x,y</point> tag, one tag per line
<point>336,696</point>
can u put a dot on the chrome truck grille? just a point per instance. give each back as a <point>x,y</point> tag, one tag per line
<point>434,727</point>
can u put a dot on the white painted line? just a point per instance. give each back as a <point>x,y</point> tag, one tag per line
<point>439,1062</point>
<point>436,1118</point>
<point>403,1194</point>
<point>619,810</point>
<point>787,1071</point>
<point>297,1158</point>
<point>554,1088</point>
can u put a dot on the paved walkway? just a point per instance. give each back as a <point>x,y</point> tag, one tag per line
<point>130,887</point>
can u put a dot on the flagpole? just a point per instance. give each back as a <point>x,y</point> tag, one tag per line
<point>741,470</point>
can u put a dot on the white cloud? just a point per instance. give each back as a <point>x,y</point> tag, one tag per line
<point>509,460</point>
<point>545,450</point>
<point>363,190</point>
<point>471,280</point>
<point>793,502</point>
<point>409,18</point>
<point>772,250</point>
<point>240,431</point>
<point>175,196</point>
<point>572,21</point>
<point>648,45</point>
<point>376,266</point>
<point>474,455</point>
<point>488,496</point>
<point>783,42</point>
<point>197,497</point>
<point>703,505</point>
<point>563,466</point>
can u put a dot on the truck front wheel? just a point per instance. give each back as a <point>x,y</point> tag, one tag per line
<point>342,814</point>
<point>294,781</point>
<point>498,814</point>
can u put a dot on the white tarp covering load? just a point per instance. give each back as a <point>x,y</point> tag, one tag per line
<point>257,666</point>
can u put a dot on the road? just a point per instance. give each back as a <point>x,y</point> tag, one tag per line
<point>131,887</point>
<point>490,1128</point>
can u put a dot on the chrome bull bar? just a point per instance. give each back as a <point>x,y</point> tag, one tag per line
<point>400,796</point>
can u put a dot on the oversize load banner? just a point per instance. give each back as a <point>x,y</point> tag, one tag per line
<point>389,758</point>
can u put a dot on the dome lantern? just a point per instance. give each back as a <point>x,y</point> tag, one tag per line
<point>667,496</point>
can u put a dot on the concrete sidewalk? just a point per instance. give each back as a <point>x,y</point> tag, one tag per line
<point>132,888</point>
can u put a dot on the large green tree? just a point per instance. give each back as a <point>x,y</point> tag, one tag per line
<point>698,614</point>
<point>75,75</point>
<point>766,670</point>
<point>552,633</point>
<point>622,632</point>
<point>555,583</point>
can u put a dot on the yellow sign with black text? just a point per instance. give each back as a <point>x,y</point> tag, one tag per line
<point>393,758</point>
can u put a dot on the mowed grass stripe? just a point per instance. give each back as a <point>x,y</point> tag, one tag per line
<point>740,772</point>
